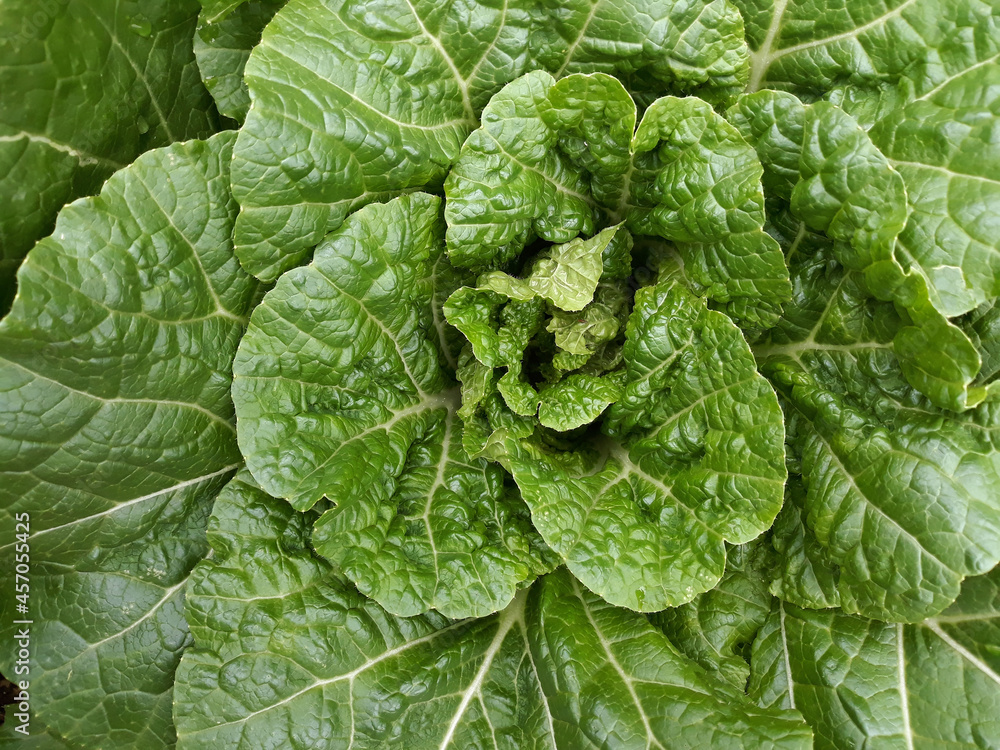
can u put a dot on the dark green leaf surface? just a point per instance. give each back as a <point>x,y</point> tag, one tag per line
<point>864,683</point>
<point>717,627</point>
<point>902,497</point>
<point>118,433</point>
<point>340,393</point>
<point>407,80</point>
<point>85,87</point>
<point>697,459</point>
<point>923,75</point>
<point>818,159</point>
<point>811,47</point>
<point>288,655</point>
<point>222,48</point>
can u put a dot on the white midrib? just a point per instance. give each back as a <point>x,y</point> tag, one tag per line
<point>651,740</point>
<point>134,501</point>
<point>571,50</point>
<point>421,393</point>
<point>974,660</point>
<point>785,656</point>
<point>152,610</point>
<point>463,84</point>
<point>945,171</point>
<point>761,60</point>
<point>534,667</point>
<point>445,399</point>
<point>904,697</point>
<point>982,63</point>
<point>83,157</point>
<point>139,74</point>
<point>437,483</point>
<point>347,676</point>
<point>125,400</point>
<point>221,309</point>
<point>508,618</point>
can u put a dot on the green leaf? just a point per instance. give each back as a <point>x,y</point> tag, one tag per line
<point>864,683</point>
<point>949,158</point>
<point>575,401</point>
<point>654,45</point>
<point>85,87</point>
<point>901,496</point>
<point>340,393</point>
<point>222,48</point>
<point>685,175</point>
<point>818,159</point>
<point>809,48</point>
<point>805,574</point>
<point>114,392</point>
<point>408,80</point>
<point>288,654</point>
<point>567,275</point>
<point>510,183</point>
<point>218,10</point>
<point>717,627</point>
<point>696,181</point>
<point>583,333</point>
<point>697,460</point>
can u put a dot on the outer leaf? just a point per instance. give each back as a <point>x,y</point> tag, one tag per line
<point>824,165</point>
<point>222,48</point>
<point>114,394</point>
<point>85,87</point>
<point>408,79</point>
<point>717,627</point>
<point>863,683</point>
<point>902,496</point>
<point>941,56</point>
<point>340,393</point>
<point>948,154</point>
<point>557,668</point>
<point>918,45</point>
<point>699,460</point>
<point>695,46</point>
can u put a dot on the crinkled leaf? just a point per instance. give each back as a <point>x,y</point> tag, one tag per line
<point>340,393</point>
<point>919,46</point>
<point>222,48</point>
<point>406,82</point>
<point>836,181</point>
<point>696,181</point>
<point>804,573</point>
<point>575,401</point>
<point>698,461</point>
<point>567,275</point>
<point>584,332</point>
<point>949,157</point>
<point>510,183</point>
<point>717,627</point>
<point>901,496</point>
<point>290,655</point>
<point>118,432</point>
<point>684,175</point>
<point>695,47</point>
<point>85,87</point>
<point>864,683</point>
